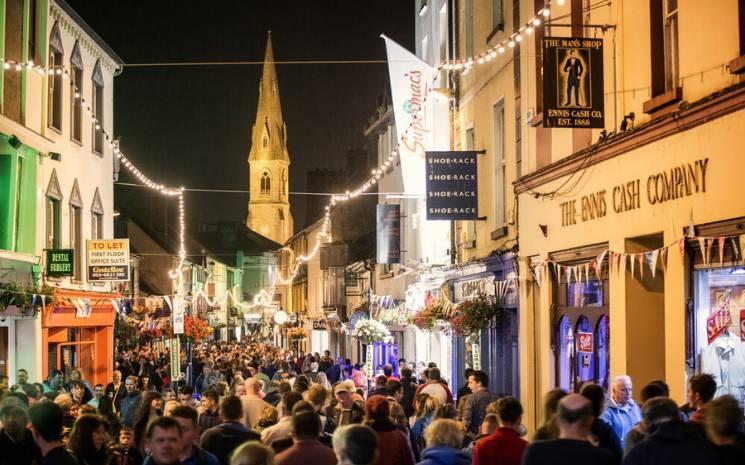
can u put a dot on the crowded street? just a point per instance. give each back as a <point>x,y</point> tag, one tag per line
<point>382,232</point>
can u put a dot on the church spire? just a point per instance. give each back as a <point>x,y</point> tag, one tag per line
<point>269,128</point>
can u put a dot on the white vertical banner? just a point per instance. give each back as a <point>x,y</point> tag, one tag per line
<point>178,315</point>
<point>418,107</point>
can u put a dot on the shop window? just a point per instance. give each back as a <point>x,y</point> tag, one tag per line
<point>564,354</point>
<point>585,351</point>
<point>602,347</point>
<point>719,322</point>
<point>500,175</point>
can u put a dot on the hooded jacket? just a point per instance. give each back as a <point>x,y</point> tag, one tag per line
<point>622,419</point>
<point>672,443</point>
<point>442,455</point>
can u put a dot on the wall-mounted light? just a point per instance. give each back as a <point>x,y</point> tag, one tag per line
<point>15,142</point>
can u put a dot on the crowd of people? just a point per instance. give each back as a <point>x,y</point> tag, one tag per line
<point>262,405</point>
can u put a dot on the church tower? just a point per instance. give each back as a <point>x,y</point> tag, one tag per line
<point>269,162</point>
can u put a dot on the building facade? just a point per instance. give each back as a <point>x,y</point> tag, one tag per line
<point>57,170</point>
<point>631,236</point>
<point>269,162</point>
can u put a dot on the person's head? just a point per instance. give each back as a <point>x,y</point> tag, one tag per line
<point>551,403</point>
<point>231,408</point>
<point>621,389</point>
<point>164,440</point>
<point>98,391</point>
<point>446,411</point>
<point>22,376</point>
<point>77,389</point>
<point>406,372</point>
<point>723,419</point>
<point>126,436</point>
<point>14,417</point>
<point>380,381</point>
<point>595,394</point>
<point>184,395</point>
<point>658,410</point>
<point>252,453</point>
<point>317,395</point>
<point>314,366</point>
<point>65,402</point>
<point>76,375</point>
<point>377,409</point>
<point>355,445</point>
<point>443,432</point>
<point>210,400</point>
<point>651,391</point>
<point>88,435</point>
<point>253,386</point>
<point>575,416</point>
<point>509,412</point>
<point>284,388</point>
<point>269,416</point>
<point>117,377</point>
<point>168,394</point>
<point>477,380</point>
<point>306,425</point>
<point>663,385</point>
<point>46,422</point>
<point>343,394</point>
<point>433,375</point>
<point>398,416</point>
<point>187,417</point>
<point>467,373</point>
<point>4,382</point>
<point>302,383</point>
<point>701,389</point>
<point>425,405</point>
<point>55,379</point>
<point>207,369</point>
<point>288,401</point>
<point>490,424</point>
<point>387,370</point>
<point>130,384</point>
<point>395,390</point>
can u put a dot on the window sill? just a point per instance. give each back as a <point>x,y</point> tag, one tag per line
<point>78,142</point>
<point>386,275</point>
<point>536,120</point>
<point>657,103</point>
<point>490,39</point>
<point>55,130</point>
<point>469,244</point>
<point>737,66</point>
<point>99,154</point>
<point>499,233</point>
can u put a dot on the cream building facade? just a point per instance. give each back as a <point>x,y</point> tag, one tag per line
<point>269,162</point>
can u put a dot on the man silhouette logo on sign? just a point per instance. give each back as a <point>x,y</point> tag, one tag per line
<point>574,69</point>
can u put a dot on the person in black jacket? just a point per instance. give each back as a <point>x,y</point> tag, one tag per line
<point>408,383</point>
<point>224,438</point>
<point>601,431</point>
<point>670,440</point>
<point>723,420</point>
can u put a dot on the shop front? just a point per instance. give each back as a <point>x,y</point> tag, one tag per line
<point>639,270</point>
<point>78,332</point>
<point>430,345</point>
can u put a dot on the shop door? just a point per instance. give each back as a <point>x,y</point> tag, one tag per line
<point>79,352</point>
<point>4,359</point>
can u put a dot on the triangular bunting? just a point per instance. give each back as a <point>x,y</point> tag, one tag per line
<point>682,246</point>
<point>736,249</point>
<point>720,246</point>
<point>742,245</point>
<point>569,274</point>
<point>537,275</point>
<point>641,265</point>
<point>632,261</point>
<point>622,264</point>
<point>587,272</point>
<point>702,246</point>
<point>663,259</point>
<point>652,261</point>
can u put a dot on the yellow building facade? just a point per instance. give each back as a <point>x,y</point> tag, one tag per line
<point>630,240</point>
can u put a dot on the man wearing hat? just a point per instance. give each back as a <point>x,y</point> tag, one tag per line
<point>347,411</point>
<point>16,441</point>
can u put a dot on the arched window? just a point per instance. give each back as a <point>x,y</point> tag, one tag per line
<point>97,107</point>
<point>54,116</point>
<point>266,183</point>
<point>76,90</point>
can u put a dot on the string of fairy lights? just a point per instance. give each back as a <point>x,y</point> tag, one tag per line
<point>265,296</point>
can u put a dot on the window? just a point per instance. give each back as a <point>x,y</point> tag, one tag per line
<point>264,141</point>
<point>12,50</point>
<point>52,221</point>
<point>98,108</point>
<point>672,72</point>
<point>500,201</point>
<point>76,91</point>
<point>284,182</point>
<point>266,183</point>
<point>56,53</point>
<point>497,14</point>
<point>442,31</point>
<point>31,39</point>
<point>97,217</point>
<point>425,49</point>
<point>469,28</point>
<point>76,229</point>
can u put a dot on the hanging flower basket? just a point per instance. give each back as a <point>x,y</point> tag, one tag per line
<point>196,330</point>
<point>295,334</point>
<point>431,317</point>
<point>370,331</point>
<point>473,315</point>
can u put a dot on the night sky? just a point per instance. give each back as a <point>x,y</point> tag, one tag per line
<point>191,126</point>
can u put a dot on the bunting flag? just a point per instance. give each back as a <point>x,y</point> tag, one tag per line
<point>537,275</point>
<point>587,272</point>
<point>736,250</point>
<point>168,300</point>
<point>720,246</point>
<point>682,247</point>
<point>640,257</point>
<point>569,274</point>
<point>117,307</point>
<point>663,259</point>
<point>600,259</point>
<point>43,302</point>
<point>632,261</point>
<point>742,245</point>
<point>709,243</point>
<point>702,246</point>
<point>622,264</point>
<point>652,260</point>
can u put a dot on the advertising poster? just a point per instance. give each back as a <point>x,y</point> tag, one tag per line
<point>108,259</point>
<point>388,234</point>
<point>585,343</point>
<point>452,187</point>
<point>573,95</point>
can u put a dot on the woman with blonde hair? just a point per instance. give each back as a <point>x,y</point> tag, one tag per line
<point>444,437</point>
<point>269,417</point>
<point>253,453</point>
<point>425,408</point>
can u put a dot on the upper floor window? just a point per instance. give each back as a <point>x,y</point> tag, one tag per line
<point>672,72</point>
<point>97,107</point>
<point>284,182</point>
<point>264,141</point>
<point>266,183</point>
<point>97,216</point>
<point>56,52</point>
<point>497,14</point>
<point>52,220</point>
<point>469,28</point>
<point>76,90</point>
<point>76,229</point>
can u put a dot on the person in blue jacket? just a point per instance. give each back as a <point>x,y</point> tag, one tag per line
<point>622,413</point>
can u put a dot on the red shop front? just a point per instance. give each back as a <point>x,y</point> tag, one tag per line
<point>78,332</point>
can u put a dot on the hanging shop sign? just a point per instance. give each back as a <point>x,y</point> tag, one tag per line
<point>683,180</point>
<point>452,188</point>
<point>82,308</point>
<point>350,279</point>
<point>178,315</point>
<point>388,235</point>
<point>472,288</point>
<point>108,259</point>
<point>573,83</point>
<point>320,325</point>
<point>476,356</point>
<point>584,343</point>
<point>175,352</point>
<point>60,262</point>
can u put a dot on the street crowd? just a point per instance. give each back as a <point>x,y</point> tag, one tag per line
<point>262,405</point>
